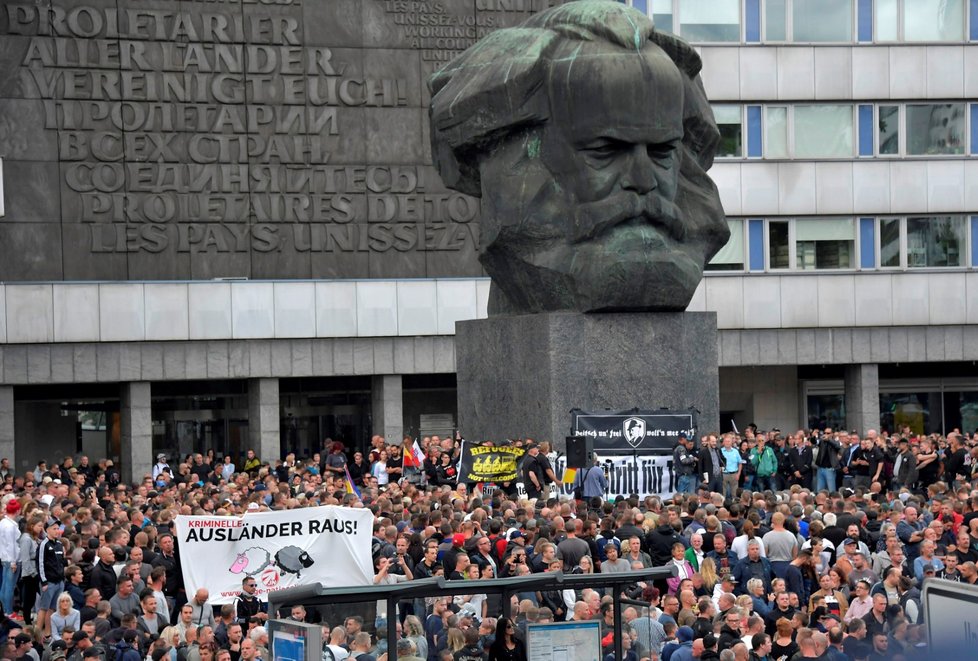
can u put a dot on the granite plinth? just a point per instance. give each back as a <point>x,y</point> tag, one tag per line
<point>519,376</point>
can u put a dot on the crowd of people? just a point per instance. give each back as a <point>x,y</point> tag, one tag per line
<point>807,545</point>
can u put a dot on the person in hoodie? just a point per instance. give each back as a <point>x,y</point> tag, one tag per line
<point>473,650</point>
<point>125,649</point>
<point>660,541</point>
<point>730,631</point>
<point>684,637</point>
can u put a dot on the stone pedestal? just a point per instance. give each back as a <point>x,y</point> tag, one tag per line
<point>519,376</point>
<point>387,406</point>
<point>264,419</point>
<point>136,422</point>
<point>7,444</point>
<point>862,397</point>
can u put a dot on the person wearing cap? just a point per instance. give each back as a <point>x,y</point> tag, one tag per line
<point>80,643</point>
<point>51,572</point>
<point>9,552</point>
<point>684,641</point>
<point>160,466</point>
<point>58,650</point>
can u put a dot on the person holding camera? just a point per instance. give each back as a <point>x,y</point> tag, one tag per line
<point>826,452</point>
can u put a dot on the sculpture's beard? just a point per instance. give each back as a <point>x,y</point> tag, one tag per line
<point>626,252</point>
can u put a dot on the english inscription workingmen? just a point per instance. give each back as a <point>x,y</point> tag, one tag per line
<point>587,134</point>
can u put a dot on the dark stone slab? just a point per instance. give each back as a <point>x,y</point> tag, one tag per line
<point>519,376</point>
<point>83,263</point>
<point>397,264</point>
<point>31,192</point>
<point>334,23</point>
<point>22,134</point>
<point>206,266</point>
<point>335,265</point>
<point>394,135</point>
<point>166,264</point>
<point>32,251</point>
<point>15,81</point>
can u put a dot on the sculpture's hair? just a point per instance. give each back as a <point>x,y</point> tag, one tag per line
<point>499,86</point>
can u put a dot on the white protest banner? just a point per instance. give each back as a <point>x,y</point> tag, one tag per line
<point>282,549</point>
<point>645,475</point>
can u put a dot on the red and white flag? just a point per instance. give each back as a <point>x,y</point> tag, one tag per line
<point>418,453</point>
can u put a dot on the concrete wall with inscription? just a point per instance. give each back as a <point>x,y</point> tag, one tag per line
<point>195,139</point>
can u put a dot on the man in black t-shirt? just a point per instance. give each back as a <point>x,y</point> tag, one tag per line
<point>954,459</point>
<point>534,472</point>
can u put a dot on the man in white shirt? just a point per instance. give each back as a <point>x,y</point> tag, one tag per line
<point>9,550</point>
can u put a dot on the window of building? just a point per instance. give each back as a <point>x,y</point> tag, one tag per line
<point>709,20</point>
<point>775,20</point>
<point>731,256</point>
<point>825,243</point>
<point>936,242</point>
<point>889,130</point>
<point>776,132</point>
<point>832,130</point>
<point>935,128</point>
<point>730,121</point>
<point>919,20</point>
<point>662,15</point>
<point>824,131</point>
<point>822,20</point>
<point>818,244</point>
<point>778,245</point>
<point>890,242</point>
<point>922,412</point>
<point>826,411</point>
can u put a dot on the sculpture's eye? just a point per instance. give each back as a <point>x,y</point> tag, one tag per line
<point>604,148</point>
<point>663,150</point>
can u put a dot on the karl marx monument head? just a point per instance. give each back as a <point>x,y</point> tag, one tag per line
<point>587,134</point>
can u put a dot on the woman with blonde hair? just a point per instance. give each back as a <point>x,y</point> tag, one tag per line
<point>64,616</point>
<point>708,572</point>
<point>415,632</point>
<point>585,566</point>
<point>456,640</point>
<point>172,637</point>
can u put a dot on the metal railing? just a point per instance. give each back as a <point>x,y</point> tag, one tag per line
<point>319,595</point>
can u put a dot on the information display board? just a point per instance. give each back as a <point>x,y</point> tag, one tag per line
<point>950,610</point>
<point>295,641</point>
<point>564,641</point>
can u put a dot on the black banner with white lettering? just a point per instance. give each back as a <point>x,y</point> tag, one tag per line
<point>633,431</point>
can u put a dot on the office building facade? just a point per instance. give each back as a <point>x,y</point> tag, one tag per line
<point>222,229</point>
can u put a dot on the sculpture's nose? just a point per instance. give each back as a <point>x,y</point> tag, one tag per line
<point>639,175</point>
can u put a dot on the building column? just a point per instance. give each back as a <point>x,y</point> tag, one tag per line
<point>264,415</point>
<point>388,407</point>
<point>862,397</point>
<point>136,409</point>
<point>7,437</point>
